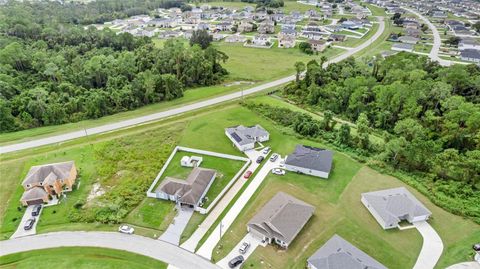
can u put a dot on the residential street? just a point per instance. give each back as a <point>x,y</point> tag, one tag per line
<point>155,249</point>
<point>432,247</point>
<point>179,110</point>
<point>207,247</point>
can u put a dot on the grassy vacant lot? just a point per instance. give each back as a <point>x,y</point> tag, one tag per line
<point>225,168</point>
<point>119,166</point>
<point>289,5</point>
<point>79,258</point>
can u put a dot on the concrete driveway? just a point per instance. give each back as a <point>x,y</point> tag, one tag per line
<point>207,248</point>
<point>432,247</point>
<point>152,248</point>
<point>20,232</point>
<point>465,265</point>
<point>175,229</point>
<point>254,243</point>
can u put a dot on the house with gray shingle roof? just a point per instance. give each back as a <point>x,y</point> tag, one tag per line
<point>337,253</point>
<point>310,160</point>
<point>280,220</point>
<point>244,138</point>
<point>189,191</point>
<point>391,206</point>
<point>49,180</point>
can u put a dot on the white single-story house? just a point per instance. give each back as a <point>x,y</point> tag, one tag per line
<point>244,138</point>
<point>389,207</point>
<point>310,160</point>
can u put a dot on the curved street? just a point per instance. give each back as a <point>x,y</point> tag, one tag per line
<point>152,248</point>
<point>176,111</point>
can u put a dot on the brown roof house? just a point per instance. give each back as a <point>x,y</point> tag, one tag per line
<point>280,220</point>
<point>189,191</point>
<point>49,180</point>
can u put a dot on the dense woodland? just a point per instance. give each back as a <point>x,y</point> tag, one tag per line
<point>53,72</point>
<point>427,115</point>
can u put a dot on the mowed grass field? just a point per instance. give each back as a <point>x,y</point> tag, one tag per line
<point>79,258</point>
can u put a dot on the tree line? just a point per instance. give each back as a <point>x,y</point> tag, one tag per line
<point>53,73</point>
<point>428,116</point>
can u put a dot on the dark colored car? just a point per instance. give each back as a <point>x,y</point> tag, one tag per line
<point>36,210</point>
<point>260,159</point>
<point>235,261</point>
<point>29,224</point>
<point>476,247</point>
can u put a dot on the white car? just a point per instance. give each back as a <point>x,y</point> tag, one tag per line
<point>125,229</point>
<point>274,157</point>
<point>278,171</point>
<point>266,150</point>
<point>244,247</point>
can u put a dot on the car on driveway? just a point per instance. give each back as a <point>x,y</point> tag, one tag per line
<point>274,157</point>
<point>247,174</point>
<point>125,229</point>
<point>266,150</point>
<point>36,210</point>
<point>476,247</point>
<point>260,159</point>
<point>29,224</point>
<point>244,247</point>
<point>235,261</point>
<point>278,171</point>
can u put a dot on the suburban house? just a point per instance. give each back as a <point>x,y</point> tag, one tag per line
<point>266,27</point>
<point>189,191</point>
<point>286,41</point>
<point>310,160</point>
<point>337,37</point>
<point>49,180</point>
<point>468,43</point>
<point>245,26</point>
<point>402,47</point>
<point>339,253</point>
<point>244,138</point>
<point>261,40</point>
<point>318,45</point>
<point>408,39</point>
<point>389,207</point>
<point>280,220</point>
<point>224,26</point>
<point>470,55</point>
<point>235,38</point>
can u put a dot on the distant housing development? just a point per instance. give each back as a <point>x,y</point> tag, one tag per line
<point>339,253</point>
<point>244,138</point>
<point>280,220</point>
<point>45,181</point>
<point>390,207</point>
<point>189,191</point>
<point>310,160</point>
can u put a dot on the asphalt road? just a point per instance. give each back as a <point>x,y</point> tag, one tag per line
<point>176,111</point>
<point>155,249</point>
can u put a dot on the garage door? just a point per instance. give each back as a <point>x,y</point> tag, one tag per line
<point>35,202</point>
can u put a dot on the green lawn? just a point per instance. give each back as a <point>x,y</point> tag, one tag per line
<point>226,169</point>
<point>79,258</point>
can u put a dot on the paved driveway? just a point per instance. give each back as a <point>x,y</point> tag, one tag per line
<point>20,232</point>
<point>192,242</point>
<point>175,229</point>
<point>465,265</point>
<point>432,247</point>
<point>254,243</point>
<point>155,249</point>
<point>207,248</point>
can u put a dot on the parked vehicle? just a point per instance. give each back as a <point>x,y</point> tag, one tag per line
<point>274,157</point>
<point>476,247</point>
<point>260,159</point>
<point>36,210</point>
<point>266,150</point>
<point>29,224</point>
<point>235,261</point>
<point>282,164</point>
<point>125,229</point>
<point>278,171</point>
<point>247,174</point>
<point>244,247</point>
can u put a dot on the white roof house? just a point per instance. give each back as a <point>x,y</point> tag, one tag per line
<point>244,138</point>
<point>391,206</point>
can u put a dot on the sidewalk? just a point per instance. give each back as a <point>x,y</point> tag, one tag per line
<point>192,242</point>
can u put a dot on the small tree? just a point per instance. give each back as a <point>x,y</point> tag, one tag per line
<point>202,38</point>
<point>299,67</point>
